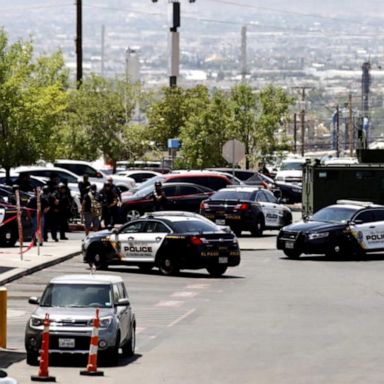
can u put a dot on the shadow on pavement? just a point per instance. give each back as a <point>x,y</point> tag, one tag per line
<point>8,358</point>
<point>156,272</point>
<point>320,258</point>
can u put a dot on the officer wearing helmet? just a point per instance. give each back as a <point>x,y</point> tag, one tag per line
<point>159,198</point>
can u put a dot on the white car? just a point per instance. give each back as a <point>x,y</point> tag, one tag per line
<point>139,175</point>
<point>291,171</point>
<point>81,168</point>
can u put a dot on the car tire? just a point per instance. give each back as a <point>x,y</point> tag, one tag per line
<point>98,261</point>
<point>32,358</point>
<point>258,227</point>
<point>217,270</point>
<point>132,214</point>
<point>292,254</point>
<point>111,356</point>
<point>168,266</point>
<point>129,347</point>
<point>336,251</point>
<point>236,231</point>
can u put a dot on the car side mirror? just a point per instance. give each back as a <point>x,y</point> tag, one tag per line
<point>356,222</point>
<point>99,175</point>
<point>123,303</point>
<point>33,300</point>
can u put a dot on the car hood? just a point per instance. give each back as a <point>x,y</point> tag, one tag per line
<point>310,226</point>
<point>60,314</point>
<point>124,180</point>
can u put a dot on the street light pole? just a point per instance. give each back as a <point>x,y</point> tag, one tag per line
<point>79,43</point>
<point>175,42</point>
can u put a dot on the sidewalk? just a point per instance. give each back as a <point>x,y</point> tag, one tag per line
<point>12,267</point>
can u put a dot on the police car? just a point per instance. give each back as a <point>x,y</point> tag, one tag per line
<point>348,227</point>
<point>169,242</point>
<point>246,209</point>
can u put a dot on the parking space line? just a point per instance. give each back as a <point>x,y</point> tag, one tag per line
<point>182,317</point>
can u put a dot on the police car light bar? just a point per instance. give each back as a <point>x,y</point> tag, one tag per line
<point>355,202</point>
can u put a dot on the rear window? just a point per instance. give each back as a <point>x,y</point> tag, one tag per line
<point>195,226</point>
<point>233,195</point>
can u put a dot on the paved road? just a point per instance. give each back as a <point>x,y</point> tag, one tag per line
<point>270,320</point>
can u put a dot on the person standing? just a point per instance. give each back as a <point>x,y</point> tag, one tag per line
<point>53,217</point>
<point>159,198</point>
<point>84,186</point>
<point>109,201</point>
<point>91,210</point>
<point>64,207</point>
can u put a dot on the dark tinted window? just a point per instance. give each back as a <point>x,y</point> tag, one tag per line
<point>155,227</point>
<point>366,216</point>
<point>260,196</point>
<point>232,195</point>
<point>170,190</point>
<point>269,196</point>
<point>194,226</point>
<point>188,190</point>
<point>379,215</point>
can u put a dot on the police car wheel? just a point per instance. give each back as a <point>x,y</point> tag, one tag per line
<point>168,266</point>
<point>292,254</point>
<point>217,270</point>
<point>98,262</point>
<point>132,214</point>
<point>32,358</point>
<point>258,227</point>
<point>129,347</point>
<point>336,251</point>
<point>8,239</point>
<point>236,231</point>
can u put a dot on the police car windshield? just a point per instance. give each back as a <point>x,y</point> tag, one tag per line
<point>334,214</point>
<point>195,226</point>
<point>232,195</point>
<point>291,166</point>
<point>77,296</point>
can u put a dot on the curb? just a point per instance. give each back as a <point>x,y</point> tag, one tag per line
<point>39,267</point>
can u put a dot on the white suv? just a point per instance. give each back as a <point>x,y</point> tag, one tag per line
<point>95,176</point>
<point>291,171</point>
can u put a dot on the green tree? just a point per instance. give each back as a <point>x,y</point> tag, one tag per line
<point>168,116</point>
<point>32,100</point>
<point>97,121</point>
<point>205,133</point>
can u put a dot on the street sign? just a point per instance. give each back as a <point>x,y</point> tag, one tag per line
<point>233,151</point>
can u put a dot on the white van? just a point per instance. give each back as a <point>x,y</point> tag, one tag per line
<point>291,170</point>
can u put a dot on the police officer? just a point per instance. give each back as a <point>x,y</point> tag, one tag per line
<point>64,206</point>
<point>109,201</point>
<point>159,198</point>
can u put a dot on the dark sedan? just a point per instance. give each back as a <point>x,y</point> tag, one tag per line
<point>180,197</point>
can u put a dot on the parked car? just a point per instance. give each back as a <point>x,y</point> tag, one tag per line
<point>246,209</point>
<point>169,242</point>
<point>82,168</point>
<point>180,197</point>
<point>138,175</point>
<point>212,180</point>
<point>291,171</point>
<point>348,227</point>
<point>71,302</point>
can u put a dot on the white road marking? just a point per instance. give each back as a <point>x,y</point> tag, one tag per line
<point>197,286</point>
<point>182,317</point>
<point>184,294</point>
<point>169,303</point>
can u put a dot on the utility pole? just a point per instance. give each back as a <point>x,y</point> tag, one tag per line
<point>79,43</point>
<point>175,42</point>
<point>102,49</point>
<point>294,132</point>
<point>243,56</point>
<point>302,117</point>
<point>350,126</point>
<point>337,130</point>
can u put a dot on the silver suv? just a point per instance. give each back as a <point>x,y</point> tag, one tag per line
<point>71,302</point>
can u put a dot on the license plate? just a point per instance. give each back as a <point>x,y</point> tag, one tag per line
<point>223,260</point>
<point>289,245</point>
<point>220,221</point>
<point>66,343</point>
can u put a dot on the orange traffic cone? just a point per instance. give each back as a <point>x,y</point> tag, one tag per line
<point>92,357</point>
<point>43,374</point>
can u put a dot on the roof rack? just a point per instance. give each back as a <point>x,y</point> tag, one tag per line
<point>355,202</point>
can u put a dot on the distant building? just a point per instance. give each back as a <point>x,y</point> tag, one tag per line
<point>132,64</point>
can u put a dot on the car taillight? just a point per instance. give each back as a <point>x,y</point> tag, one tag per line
<point>203,205</point>
<point>242,207</point>
<point>196,240</point>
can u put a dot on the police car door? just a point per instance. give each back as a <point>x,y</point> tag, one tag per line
<point>140,243</point>
<point>271,209</point>
<point>369,229</point>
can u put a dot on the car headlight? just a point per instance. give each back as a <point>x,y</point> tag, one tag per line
<point>317,235</point>
<point>36,321</point>
<point>106,322</point>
